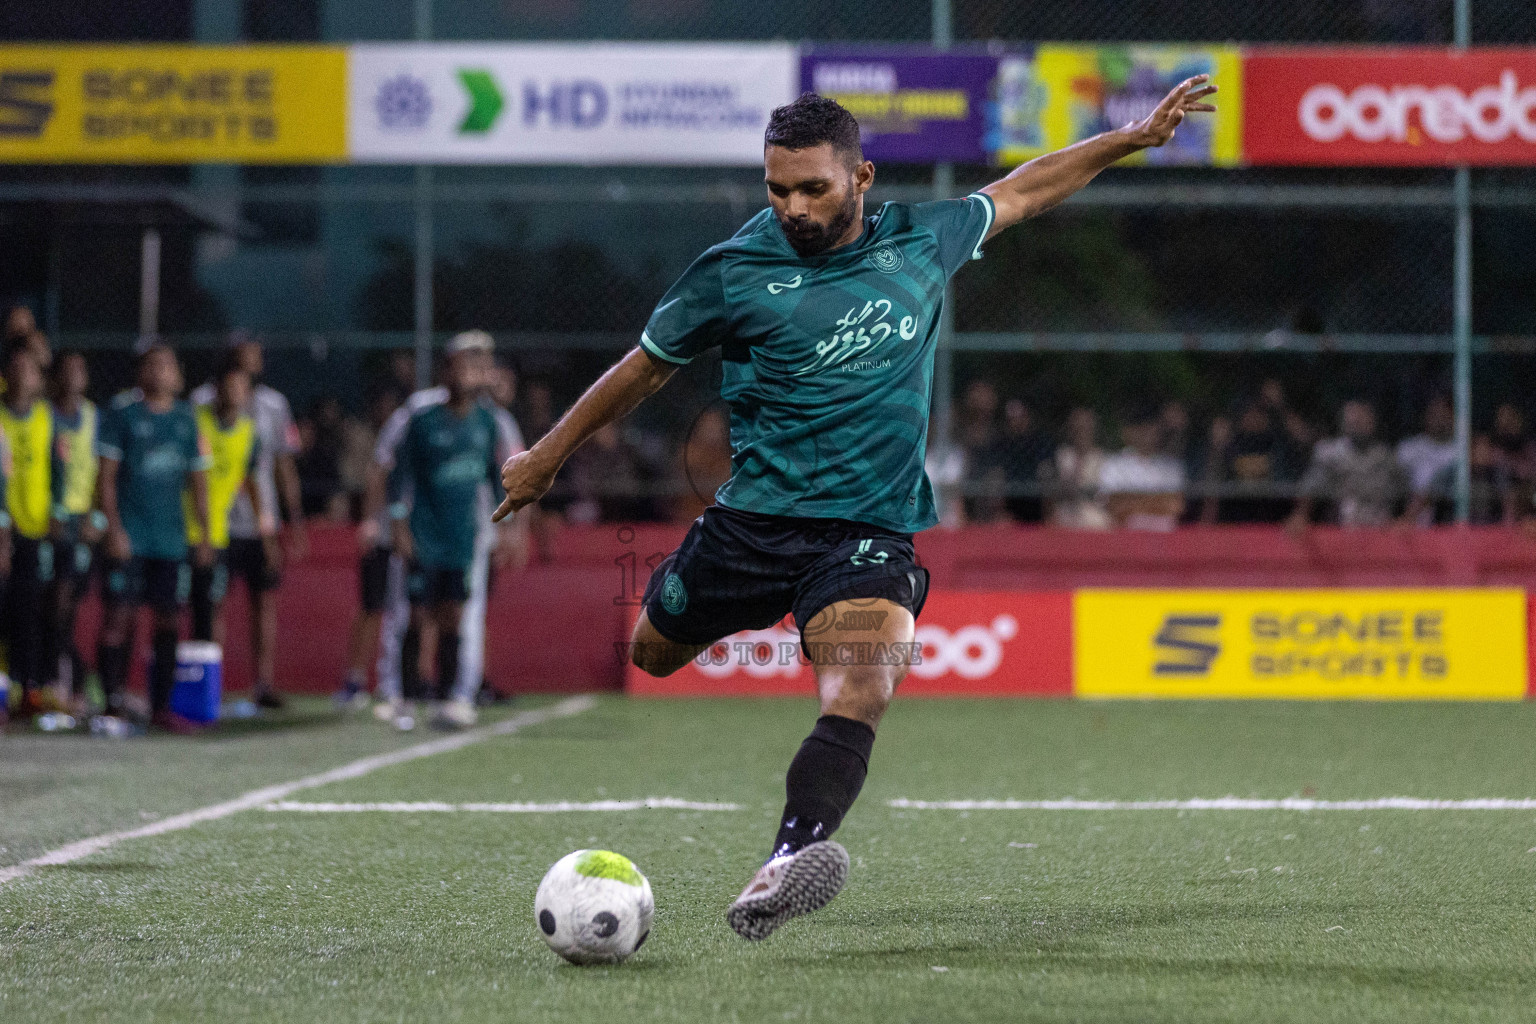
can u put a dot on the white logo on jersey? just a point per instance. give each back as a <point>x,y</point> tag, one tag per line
<point>858,332</point>
<point>784,286</point>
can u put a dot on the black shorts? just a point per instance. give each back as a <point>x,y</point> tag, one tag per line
<point>373,579</point>
<point>430,584</point>
<point>247,560</point>
<point>32,563</point>
<point>162,583</point>
<point>742,570</point>
<point>211,585</point>
<point>72,557</point>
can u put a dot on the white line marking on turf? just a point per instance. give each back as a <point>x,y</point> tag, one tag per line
<point>657,803</point>
<point>268,794</point>
<point>1225,803</point>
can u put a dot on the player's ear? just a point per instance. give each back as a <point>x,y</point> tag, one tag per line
<point>863,177</point>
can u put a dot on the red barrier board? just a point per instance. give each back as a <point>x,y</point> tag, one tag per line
<point>974,644</point>
<point>1356,106</point>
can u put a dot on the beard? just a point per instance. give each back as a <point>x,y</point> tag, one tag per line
<point>809,238</point>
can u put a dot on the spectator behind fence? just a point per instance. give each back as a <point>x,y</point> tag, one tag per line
<point>358,439</point>
<point>1295,436</point>
<point>1355,472</point>
<point>1010,466</point>
<point>322,436</point>
<point>978,431</point>
<point>1142,485</point>
<point>1429,464</point>
<point>1515,457</point>
<point>610,481</point>
<point>1075,473</point>
<point>1244,467</point>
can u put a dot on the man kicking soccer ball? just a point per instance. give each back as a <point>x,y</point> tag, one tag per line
<point>827,323</point>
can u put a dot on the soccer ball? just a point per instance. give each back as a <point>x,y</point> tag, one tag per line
<point>594,907</point>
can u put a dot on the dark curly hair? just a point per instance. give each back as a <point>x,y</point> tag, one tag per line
<point>814,120</point>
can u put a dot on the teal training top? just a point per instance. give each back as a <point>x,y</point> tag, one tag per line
<point>154,453</point>
<point>442,462</point>
<point>828,359</point>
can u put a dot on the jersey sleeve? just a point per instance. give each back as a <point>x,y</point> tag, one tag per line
<point>390,436</point>
<point>401,473</point>
<point>959,226</point>
<point>111,435</point>
<point>691,317</point>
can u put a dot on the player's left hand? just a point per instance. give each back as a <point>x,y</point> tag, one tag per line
<point>1157,128</point>
<point>202,556</point>
<point>526,478</point>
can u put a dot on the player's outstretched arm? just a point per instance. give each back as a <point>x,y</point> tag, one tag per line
<point>528,475</point>
<point>1043,182</point>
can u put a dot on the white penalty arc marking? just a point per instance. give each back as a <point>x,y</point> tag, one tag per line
<point>655,803</point>
<point>268,794</point>
<point>1224,803</point>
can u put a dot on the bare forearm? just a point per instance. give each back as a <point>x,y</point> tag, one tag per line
<point>1045,181</point>
<point>199,482</point>
<point>615,394</point>
<point>288,484</point>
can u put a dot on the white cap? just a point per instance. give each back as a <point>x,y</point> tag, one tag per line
<point>471,341</point>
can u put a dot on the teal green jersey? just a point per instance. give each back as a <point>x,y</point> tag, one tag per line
<point>442,463</point>
<point>828,359</point>
<point>154,453</point>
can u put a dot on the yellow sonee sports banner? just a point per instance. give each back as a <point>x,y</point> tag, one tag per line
<point>1310,644</point>
<point>173,104</point>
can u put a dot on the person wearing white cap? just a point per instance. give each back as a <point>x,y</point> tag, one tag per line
<point>396,655</point>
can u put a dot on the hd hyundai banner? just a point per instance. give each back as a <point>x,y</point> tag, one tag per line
<point>540,103</point>
<point>1396,107</point>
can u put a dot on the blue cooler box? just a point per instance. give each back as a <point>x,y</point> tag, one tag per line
<point>199,681</point>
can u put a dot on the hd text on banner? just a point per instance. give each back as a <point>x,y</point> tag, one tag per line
<point>658,103</point>
<point>1301,644</point>
<point>172,104</point>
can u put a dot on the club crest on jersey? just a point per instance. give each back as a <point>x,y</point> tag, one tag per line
<point>886,258</point>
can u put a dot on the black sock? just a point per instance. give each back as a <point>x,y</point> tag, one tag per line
<point>163,674</point>
<point>112,666</point>
<point>410,664</point>
<point>447,663</point>
<point>823,781</point>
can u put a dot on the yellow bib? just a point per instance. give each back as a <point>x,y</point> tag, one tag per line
<point>29,490</point>
<point>77,447</point>
<point>233,450</point>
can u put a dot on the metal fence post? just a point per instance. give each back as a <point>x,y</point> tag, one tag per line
<point>943,188</point>
<point>1462,305</point>
<point>422,291</point>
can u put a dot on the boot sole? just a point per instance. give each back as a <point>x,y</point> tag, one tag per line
<point>817,874</point>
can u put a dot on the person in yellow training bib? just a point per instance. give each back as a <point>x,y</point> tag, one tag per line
<point>34,490</point>
<point>74,427</point>
<point>230,436</point>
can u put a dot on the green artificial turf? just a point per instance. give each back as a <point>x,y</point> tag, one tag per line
<point>948,915</point>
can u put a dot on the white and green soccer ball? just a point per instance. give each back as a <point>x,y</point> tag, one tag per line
<point>594,907</point>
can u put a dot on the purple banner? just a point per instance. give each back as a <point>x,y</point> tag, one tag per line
<point>913,105</point>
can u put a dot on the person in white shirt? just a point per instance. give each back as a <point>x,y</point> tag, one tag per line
<point>254,554</point>
<point>1428,460</point>
<point>1141,485</point>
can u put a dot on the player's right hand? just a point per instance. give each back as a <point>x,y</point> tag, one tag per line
<point>526,478</point>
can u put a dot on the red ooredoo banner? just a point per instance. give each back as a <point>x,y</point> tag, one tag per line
<point>973,644</point>
<point>1352,106</point>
